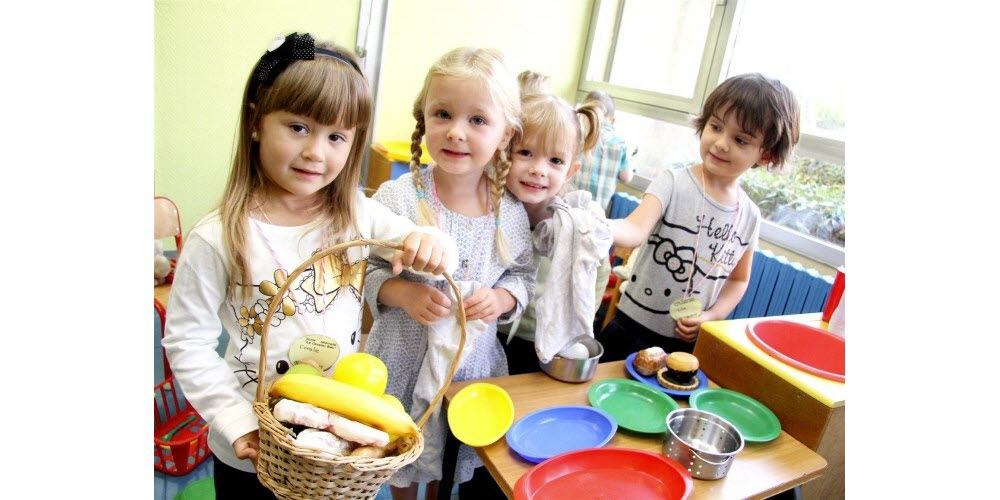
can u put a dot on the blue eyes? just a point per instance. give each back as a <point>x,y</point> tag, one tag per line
<point>444,115</point>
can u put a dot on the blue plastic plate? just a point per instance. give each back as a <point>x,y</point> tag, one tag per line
<point>548,432</point>
<point>651,380</point>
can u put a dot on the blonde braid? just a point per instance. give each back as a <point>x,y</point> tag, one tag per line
<point>500,172</point>
<point>425,215</point>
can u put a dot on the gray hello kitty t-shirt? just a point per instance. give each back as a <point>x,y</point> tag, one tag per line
<point>663,269</point>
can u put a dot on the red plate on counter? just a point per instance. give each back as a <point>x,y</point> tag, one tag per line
<point>605,473</point>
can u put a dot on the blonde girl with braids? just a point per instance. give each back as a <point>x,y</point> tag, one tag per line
<point>544,160</point>
<point>292,191</point>
<point>469,113</point>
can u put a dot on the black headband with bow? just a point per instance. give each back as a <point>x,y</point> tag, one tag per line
<point>283,51</point>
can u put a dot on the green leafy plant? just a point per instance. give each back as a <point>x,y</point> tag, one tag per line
<point>809,199</point>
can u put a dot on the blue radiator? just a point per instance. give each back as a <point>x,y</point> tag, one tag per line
<point>777,287</point>
<point>621,205</point>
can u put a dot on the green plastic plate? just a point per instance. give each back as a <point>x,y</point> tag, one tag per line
<point>755,421</point>
<point>634,405</point>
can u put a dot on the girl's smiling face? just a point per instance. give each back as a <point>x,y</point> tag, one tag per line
<point>299,156</point>
<point>464,128</point>
<point>537,172</point>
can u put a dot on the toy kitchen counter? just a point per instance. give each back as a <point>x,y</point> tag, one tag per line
<point>810,407</point>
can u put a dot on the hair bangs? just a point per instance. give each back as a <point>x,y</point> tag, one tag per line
<point>554,130</point>
<point>753,117</point>
<point>488,66</point>
<point>325,89</point>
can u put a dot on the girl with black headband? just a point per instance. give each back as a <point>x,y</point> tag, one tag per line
<point>292,191</point>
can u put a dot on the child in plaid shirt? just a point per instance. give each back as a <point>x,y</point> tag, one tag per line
<point>608,164</point>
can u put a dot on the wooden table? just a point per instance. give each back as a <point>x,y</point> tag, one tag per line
<point>759,471</point>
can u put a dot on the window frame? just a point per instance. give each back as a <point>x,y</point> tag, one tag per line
<point>720,40</point>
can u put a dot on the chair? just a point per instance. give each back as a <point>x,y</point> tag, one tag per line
<point>619,259</point>
<point>158,352</point>
<point>167,222</point>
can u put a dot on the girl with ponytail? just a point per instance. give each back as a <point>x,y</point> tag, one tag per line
<point>570,232</point>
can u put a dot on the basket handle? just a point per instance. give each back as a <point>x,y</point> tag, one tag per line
<point>340,247</point>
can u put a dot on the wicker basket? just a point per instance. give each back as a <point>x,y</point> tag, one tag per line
<point>298,473</point>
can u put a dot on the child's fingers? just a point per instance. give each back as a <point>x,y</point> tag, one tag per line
<point>686,333</point>
<point>472,300</point>
<point>410,249</point>
<point>437,309</point>
<point>440,299</point>
<point>420,258</point>
<point>480,308</point>
<point>435,264</point>
<point>397,262</point>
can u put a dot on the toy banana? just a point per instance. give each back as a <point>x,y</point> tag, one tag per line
<point>346,400</point>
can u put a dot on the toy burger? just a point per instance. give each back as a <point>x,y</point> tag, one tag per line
<point>679,374</point>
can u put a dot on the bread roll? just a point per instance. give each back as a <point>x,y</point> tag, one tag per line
<point>648,361</point>
<point>318,440</point>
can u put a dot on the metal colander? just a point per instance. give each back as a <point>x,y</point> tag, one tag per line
<point>703,443</point>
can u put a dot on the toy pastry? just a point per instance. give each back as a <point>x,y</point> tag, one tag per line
<point>679,372</point>
<point>648,361</point>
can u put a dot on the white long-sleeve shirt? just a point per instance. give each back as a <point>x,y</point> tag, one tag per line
<point>322,320</point>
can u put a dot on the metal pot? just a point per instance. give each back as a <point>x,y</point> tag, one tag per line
<point>703,443</point>
<point>575,370</point>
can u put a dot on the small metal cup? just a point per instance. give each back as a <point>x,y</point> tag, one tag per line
<point>575,370</point>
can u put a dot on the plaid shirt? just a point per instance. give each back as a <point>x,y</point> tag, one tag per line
<point>599,172</point>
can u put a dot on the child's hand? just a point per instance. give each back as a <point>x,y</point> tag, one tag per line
<point>248,446</point>
<point>428,304</point>
<point>687,328</point>
<point>421,252</point>
<point>488,304</point>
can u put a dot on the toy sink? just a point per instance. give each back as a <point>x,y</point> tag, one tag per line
<point>807,348</point>
<point>810,408</point>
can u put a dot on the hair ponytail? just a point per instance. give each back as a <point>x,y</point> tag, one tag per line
<point>591,114</point>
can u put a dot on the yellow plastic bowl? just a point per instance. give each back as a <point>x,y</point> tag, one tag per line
<point>480,414</point>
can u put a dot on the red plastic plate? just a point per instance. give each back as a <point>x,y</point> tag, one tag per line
<point>809,349</point>
<point>605,473</point>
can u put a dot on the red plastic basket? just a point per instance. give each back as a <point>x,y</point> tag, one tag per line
<point>180,435</point>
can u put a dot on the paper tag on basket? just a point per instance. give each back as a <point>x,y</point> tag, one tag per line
<point>685,308</point>
<point>322,349</point>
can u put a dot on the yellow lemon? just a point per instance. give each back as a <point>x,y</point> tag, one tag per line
<point>364,371</point>
<point>305,368</point>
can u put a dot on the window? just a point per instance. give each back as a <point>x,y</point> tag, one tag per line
<point>661,58</point>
